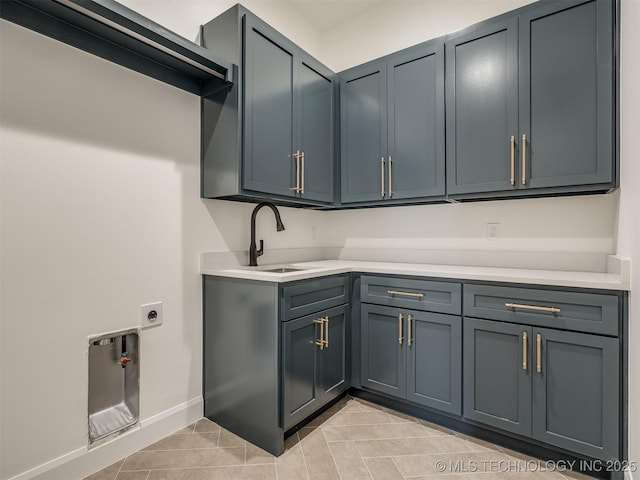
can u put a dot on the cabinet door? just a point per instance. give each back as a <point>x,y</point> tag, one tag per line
<point>332,364</point>
<point>576,392</point>
<point>416,123</point>
<point>383,363</point>
<point>363,111</point>
<point>497,382</point>
<point>301,395</point>
<point>434,364</point>
<point>566,93</point>
<point>268,165</point>
<point>315,130</point>
<point>482,108</point>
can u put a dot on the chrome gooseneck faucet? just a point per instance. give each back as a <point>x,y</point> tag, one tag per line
<point>254,253</point>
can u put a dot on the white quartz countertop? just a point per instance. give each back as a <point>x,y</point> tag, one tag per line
<point>608,281</point>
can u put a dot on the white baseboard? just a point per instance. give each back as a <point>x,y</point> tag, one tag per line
<point>82,462</point>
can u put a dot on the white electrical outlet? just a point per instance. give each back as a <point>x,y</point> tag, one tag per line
<point>493,231</point>
<point>150,315</point>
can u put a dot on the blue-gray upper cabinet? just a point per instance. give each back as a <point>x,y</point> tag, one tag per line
<point>566,94</point>
<point>268,121</point>
<point>482,108</point>
<point>363,132</point>
<point>530,102</point>
<point>315,130</point>
<point>270,137</point>
<point>392,127</point>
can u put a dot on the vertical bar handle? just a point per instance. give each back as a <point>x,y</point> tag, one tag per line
<point>382,177</point>
<point>390,173</point>
<point>325,320</point>
<point>297,157</point>
<point>320,342</point>
<point>400,338</point>
<point>524,350</point>
<point>539,353</point>
<point>302,173</point>
<point>513,160</point>
<point>524,159</point>
<point>409,320</point>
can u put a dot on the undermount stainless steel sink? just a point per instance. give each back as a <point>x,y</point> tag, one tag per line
<point>281,270</point>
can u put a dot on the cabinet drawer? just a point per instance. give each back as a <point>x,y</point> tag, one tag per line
<point>584,312</point>
<point>440,297</point>
<point>313,296</point>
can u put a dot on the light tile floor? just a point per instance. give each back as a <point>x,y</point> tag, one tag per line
<point>352,440</point>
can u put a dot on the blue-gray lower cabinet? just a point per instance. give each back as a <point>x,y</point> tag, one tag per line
<point>383,363</point>
<point>273,354</point>
<point>497,375</point>
<point>314,369</point>
<point>412,355</point>
<point>558,387</point>
<point>576,382</point>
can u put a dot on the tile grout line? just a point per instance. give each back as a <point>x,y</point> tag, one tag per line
<point>362,458</point>
<point>120,469</point>
<point>386,438</point>
<point>304,460</point>
<point>366,465</point>
<point>196,448</point>
<point>331,455</point>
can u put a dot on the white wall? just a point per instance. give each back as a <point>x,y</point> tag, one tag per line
<point>391,26</point>
<point>628,231</point>
<point>185,16</point>
<point>100,212</point>
<point>570,233</point>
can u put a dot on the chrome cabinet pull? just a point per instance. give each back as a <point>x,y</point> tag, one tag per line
<point>539,353</point>
<point>320,342</point>
<point>297,157</point>
<point>382,177</point>
<point>533,307</point>
<point>524,158</point>
<point>513,160</point>
<point>325,320</point>
<point>302,174</point>
<point>409,340</point>
<point>408,294</point>
<point>524,350</point>
<point>400,338</point>
<point>390,173</point>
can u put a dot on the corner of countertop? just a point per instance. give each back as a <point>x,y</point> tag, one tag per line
<point>621,266</point>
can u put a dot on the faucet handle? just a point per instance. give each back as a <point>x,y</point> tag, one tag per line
<point>260,251</point>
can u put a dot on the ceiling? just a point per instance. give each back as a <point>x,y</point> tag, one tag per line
<point>324,14</point>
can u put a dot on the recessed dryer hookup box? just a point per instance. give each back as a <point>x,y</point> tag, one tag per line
<point>114,389</point>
